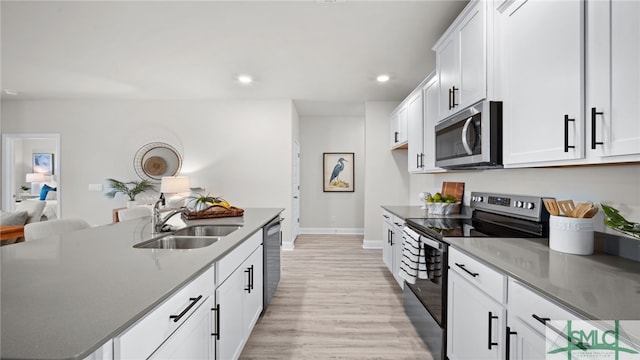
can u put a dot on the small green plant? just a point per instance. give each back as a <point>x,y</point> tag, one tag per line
<point>617,222</point>
<point>131,188</point>
<point>201,201</point>
<point>25,188</point>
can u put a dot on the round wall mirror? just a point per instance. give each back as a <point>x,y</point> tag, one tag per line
<point>155,160</point>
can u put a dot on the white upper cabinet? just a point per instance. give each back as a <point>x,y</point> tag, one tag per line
<point>430,98</point>
<point>613,80</point>
<point>542,81</point>
<point>399,127</point>
<point>461,60</point>
<point>415,120</point>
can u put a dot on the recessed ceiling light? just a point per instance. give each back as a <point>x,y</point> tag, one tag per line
<point>10,92</point>
<point>245,79</point>
<point>382,78</point>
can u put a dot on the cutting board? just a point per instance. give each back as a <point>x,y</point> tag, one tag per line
<point>456,189</point>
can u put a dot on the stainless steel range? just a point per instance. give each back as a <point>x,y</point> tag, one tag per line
<point>493,216</point>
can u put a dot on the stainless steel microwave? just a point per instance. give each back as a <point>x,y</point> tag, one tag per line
<point>471,139</point>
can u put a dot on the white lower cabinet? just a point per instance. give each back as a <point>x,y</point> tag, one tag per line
<point>527,323</point>
<point>475,318</point>
<point>181,322</point>
<point>392,244</point>
<point>192,341</point>
<point>482,324</point>
<point>239,298</point>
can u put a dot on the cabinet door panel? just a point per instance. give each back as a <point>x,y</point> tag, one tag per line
<point>448,71</point>
<point>524,343</point>
<point>415,126</point>
<point>543,81</point>
<point>473,57</point>
<point>230,298</point>
<point>387,249</point>
<point>469,313</point>
<point>193,340</point>
<point>625,78</point>
<point>253,303</point>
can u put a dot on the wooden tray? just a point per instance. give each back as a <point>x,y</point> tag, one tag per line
<point>456,189</point>
<point>213,212</point>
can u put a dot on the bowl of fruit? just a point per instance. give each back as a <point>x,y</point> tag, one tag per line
<point>439,204</point>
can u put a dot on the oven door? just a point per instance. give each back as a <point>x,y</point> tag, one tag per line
<point>471,138</point>
<point>425,301</point>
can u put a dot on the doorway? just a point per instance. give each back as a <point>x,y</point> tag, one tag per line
<point>17,153</point>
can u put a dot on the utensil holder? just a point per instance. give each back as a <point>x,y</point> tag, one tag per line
<point>571,235</point>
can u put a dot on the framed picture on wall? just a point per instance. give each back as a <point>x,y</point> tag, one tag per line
<point>338,174</point>
<point>43,163</point>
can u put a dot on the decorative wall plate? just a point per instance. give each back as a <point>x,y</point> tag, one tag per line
<point>155,160</point>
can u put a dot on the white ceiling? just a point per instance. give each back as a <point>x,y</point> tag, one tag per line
<point>324,56</point>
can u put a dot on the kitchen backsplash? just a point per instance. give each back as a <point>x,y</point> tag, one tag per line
<point>617,185</point>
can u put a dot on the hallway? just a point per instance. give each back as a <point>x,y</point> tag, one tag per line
<point>335,300</point>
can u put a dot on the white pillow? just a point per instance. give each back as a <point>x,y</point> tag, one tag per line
<point>52,195</point>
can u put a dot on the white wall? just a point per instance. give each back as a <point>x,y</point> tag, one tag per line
<point>614,185</point>
<point>330,212</point>
<point>240,150</point>
<point>387,178</point>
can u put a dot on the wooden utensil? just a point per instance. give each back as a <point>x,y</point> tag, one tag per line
<point>567,207</point>
<point>582,209</point>
<point>552,206</point>
<point>592,212</point>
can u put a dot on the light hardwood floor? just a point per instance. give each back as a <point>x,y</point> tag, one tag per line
<point>335,301</point>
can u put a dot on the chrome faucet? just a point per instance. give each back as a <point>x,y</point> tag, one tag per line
<point>157,222</point>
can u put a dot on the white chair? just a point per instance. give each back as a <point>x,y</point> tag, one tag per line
<point>134,213</point>
<point>43,229</point>
<point>34,209</point>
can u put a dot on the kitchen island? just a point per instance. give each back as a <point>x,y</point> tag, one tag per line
<point>65,296</point>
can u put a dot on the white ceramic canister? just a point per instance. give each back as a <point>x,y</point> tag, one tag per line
<point>571,235</point>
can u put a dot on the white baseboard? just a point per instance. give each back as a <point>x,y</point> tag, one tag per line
<point>287,246</point>
<point>321,231</point>
<point>372,244</point>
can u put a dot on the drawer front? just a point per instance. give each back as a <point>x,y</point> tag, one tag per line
<point>387,216</point>
<point>146,335</point>
<point>487,279</point>
<point>533,309</point>
<point>231,261</point>
<point>398,222</point>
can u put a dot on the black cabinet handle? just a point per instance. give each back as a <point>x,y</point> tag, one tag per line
<point>490,343</point>
<point>453,96</point>
<point>177,318</point>
<point>391,237</point>
<point>248,272</point>
<point>417,160</point>
<point>507,344</point>
<point>572,340</point>
<point>450,91</point>
<point>217,333</point>
<point>251,284</point>
<point>395,136</point>
<point>566,133</point>
<point>385,216</point>
<point>594,113</point>
<point>540,319</point>
<point>461,266</point>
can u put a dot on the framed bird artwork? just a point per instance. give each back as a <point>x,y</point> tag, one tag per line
<point>338,174</point>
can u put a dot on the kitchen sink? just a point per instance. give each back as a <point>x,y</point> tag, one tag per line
<point>177,242</point>
<point>207,230</point>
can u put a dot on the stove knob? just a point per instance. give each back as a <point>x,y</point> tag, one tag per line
<point>519,204</point>
<point>480,199</point>
<point>531,206</point>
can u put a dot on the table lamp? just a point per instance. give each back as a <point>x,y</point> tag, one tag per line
<point>171,186</point>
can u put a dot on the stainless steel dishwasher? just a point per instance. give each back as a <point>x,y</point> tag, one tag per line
<point>272,241</point>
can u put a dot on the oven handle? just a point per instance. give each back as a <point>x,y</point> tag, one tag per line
<point>431,243</point>
<point>465,133</point>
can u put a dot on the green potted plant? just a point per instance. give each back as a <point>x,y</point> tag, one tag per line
<point>201,201</point>
<point>130,189</point>
<point>24,188</point>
